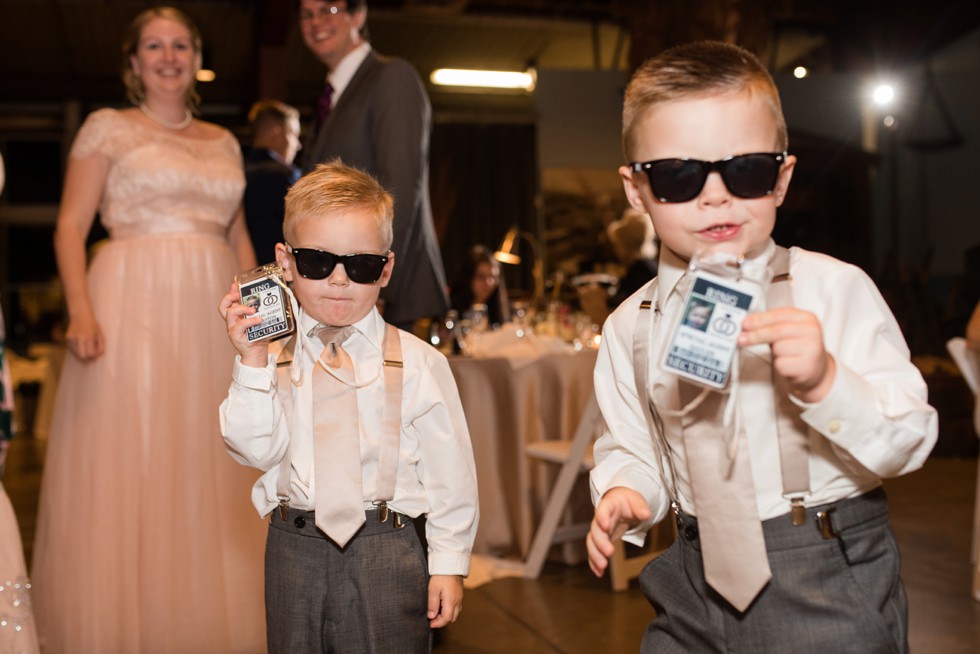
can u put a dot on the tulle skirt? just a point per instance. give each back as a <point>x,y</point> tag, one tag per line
<point>147,540</point>
<point>17,633</point>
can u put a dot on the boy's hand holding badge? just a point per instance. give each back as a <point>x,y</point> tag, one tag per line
<point>257,310</point>
<point>723,290</point>
<point>264,290</point>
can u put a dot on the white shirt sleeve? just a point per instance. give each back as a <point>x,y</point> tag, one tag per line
<point>876,416</point>
<point>624,453</point>
<point>251,417</point>
<point>445,466</point>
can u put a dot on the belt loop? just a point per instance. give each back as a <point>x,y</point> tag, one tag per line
<point>825,525</point>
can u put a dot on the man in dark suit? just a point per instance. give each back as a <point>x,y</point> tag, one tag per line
<point>269,172</point>
<point>377,117</point>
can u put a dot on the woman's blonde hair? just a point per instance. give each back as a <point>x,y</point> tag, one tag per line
<point>134,85</point>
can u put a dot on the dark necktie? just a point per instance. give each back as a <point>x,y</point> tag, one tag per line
<point>323,107</point>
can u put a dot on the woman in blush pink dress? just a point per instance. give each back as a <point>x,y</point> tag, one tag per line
<point>17,632</point>
<point>146,540</point>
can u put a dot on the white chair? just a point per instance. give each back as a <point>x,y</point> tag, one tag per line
<point>575,457</point>
<point>968,361</point>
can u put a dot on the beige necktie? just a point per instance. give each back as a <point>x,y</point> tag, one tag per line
<point>732,543</point>
<point>339,504</point>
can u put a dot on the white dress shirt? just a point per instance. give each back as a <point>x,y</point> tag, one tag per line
<point>341,76</point>
<point>875,422</point>
<point>436,472</point>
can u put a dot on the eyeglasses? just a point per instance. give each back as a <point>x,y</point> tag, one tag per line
<point>745,175</point>
<point>325,10</point>
<point>318,264</point>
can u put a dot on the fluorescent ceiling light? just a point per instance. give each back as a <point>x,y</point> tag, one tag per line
<point>495,79</point>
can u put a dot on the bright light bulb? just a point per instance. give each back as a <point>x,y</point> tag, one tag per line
<point>800,72</point>
<point>884,94</point>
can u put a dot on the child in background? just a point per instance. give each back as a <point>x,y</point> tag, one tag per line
<point>348,576</point>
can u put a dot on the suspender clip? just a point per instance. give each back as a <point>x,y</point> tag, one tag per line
<point>283,505</point>
<point>382,510</point>
<point>797,511</point>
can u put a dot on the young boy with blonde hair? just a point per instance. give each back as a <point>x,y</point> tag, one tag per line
<point>360,433</point>
<point>783,536</point>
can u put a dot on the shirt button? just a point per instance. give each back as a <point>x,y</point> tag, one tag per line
<point>300,522</point>
<point>834,426</point>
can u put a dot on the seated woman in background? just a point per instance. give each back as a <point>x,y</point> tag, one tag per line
<point>479,282</point>
<point>633,240</point>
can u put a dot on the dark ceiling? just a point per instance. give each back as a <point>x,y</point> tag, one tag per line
<point>53,50</point>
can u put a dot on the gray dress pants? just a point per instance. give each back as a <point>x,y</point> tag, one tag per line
<point>370,597</point>
<point>841,594</point>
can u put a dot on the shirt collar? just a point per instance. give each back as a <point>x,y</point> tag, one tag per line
<point>341,76</point>
<point>672,267</point>
<point>371,327</point>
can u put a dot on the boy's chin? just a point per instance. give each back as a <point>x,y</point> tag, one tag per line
<point>732,249</point>
<point>338,316</point>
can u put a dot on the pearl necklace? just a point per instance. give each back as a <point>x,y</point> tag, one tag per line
<point>188,117</point>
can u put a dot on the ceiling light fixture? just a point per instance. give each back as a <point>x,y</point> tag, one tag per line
<point>495,79</point>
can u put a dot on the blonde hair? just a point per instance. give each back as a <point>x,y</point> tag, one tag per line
<point>271,112</point>
<point>697,69</point>
<point>334,187</point>
<point>131,41</point>
<point>633,235</point>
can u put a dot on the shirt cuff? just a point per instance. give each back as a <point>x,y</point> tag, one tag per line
<point>260,379</point>
<point>449,563</point>
<point>843,416</point>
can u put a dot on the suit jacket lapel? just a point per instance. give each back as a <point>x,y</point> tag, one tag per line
<point>318,147</point>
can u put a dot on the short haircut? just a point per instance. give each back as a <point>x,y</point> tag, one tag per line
<point>334,188</point>
<point>131,40</point>
<point>267,113</point>
<point>697,69</point>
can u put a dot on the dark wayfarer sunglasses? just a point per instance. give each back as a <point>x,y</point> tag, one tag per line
<point>318,264</point>
<point>746,175</point>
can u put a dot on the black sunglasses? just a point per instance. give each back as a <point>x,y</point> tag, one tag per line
<point>318,264</point>
<point>746,175</point>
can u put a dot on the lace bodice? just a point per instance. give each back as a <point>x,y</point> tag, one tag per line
<point>160,182</point>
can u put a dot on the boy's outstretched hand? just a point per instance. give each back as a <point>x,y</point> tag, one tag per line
<point>618,510</point>
<point>798,353</point>
<point>445,599</point>
<point>238,318</point>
